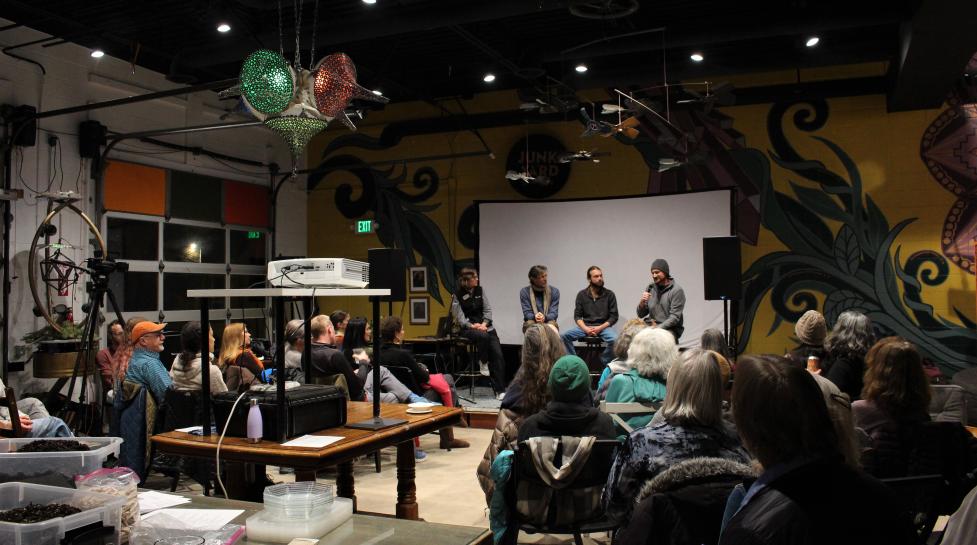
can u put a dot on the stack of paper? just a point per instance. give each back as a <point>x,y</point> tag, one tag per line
<point>151,500</point>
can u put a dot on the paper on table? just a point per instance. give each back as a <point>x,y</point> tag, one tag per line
<point>190,519</point>
<point>152,500</point>
<point>314,441</point>
<point>190,429</point>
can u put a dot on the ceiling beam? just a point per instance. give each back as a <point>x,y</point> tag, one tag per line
<point>934,49</point>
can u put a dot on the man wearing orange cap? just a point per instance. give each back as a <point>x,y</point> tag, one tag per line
<point>144,366</point>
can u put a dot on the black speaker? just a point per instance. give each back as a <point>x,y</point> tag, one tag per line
<point>25,125</point>
<point>721,268</point>
<point>388,270</point>
<point>91,136</point>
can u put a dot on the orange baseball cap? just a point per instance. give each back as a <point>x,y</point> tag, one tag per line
<point>145,328</point>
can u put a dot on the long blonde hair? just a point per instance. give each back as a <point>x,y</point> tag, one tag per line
<point>232,344</point>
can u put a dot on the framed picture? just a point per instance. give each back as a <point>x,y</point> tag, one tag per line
<point>418,279</point>
<point>419,312</point>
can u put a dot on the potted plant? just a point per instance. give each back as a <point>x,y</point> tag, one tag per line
<point>56,351</point>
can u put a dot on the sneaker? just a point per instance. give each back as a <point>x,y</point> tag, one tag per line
<point>483,368</point>
<point>500,397</point>
<point>419,455</point>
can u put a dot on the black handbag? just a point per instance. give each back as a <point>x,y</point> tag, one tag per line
<point>308,408</point>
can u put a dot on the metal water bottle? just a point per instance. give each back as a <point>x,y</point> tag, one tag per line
<point>254,422</point>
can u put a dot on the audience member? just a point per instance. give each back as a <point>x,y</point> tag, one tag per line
<point>619,364</point>
<point>650,356</point>
<point>473,313</point>
<point>544,305</point>
<point>236,349</point>
<point>691,426</point>
<point>120,358</point>
<point>594,314</point>
<point>527,395</point>
<point>846,346</point>
<point>294,348</point>
<point>339,319</point>
<point>144,366</point>
<point>328,360</point>
<point>34,419</point>
<point>806,493</point>
<point>114,339</point>
<point>187,369</point>
<point>713,339</point>
<point>810,331</point>
<point>571,411</point>
<point>662,304</point>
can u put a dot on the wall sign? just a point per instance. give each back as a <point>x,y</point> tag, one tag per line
<point>543,162</point>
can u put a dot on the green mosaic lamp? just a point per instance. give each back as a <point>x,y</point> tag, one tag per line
<point>267,82</point>
<point>296,130</point>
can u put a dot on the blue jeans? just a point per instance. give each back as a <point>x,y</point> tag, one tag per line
<point>575,333</point>
<point>50,426</point>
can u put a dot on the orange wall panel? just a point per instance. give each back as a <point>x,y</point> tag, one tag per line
<point>135,188</point>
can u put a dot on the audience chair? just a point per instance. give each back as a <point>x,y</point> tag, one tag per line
<point>948,404</point>
<point>590,353</point>
<point>921,496</point>
<point>406,377</point>
<point>9,400</point>
<point>183,409</point>
<point>629,409</point>
<point>967,379</point>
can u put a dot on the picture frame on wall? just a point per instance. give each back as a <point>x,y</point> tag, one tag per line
<point>418,279</point>
<point>420,312</point>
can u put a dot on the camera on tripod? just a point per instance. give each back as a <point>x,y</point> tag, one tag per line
<point>105,267</point>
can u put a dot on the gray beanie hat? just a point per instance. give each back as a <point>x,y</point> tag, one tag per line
<point>662,266</point>
<point>811,329</point>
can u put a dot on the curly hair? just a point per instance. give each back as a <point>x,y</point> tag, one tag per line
<point>851,336</point>
<point>894,379</point>
<point>541,347</point>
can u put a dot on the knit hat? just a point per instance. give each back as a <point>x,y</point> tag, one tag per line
<point>811,329</point>
<point>662,266</point>
<point>569,380</point>
<point>145,328</point>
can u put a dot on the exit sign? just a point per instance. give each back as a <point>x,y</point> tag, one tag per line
<point>364,227</point>
<point>254,234</point>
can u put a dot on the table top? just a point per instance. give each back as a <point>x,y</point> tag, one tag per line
<point>289,292</point>
<point>363,528</point>
<point>354,442</point>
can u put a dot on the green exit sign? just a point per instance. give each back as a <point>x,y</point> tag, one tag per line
<point>364,226</point>
<point>254,234</point>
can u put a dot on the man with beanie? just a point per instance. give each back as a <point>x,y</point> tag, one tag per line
<point>811,330</point>
<point>663,302</point>
<point>571,410</point>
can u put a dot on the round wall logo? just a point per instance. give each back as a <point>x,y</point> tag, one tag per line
<point>548,175</point>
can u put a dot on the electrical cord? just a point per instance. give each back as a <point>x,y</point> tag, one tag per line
<point>217,461</point>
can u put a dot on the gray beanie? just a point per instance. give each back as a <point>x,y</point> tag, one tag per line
<point>811,329</point>
<point>662,266</point>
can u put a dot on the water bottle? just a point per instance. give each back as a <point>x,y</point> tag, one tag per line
<point>254,422</point>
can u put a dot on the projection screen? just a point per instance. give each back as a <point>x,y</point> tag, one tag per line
<point>622,236</point>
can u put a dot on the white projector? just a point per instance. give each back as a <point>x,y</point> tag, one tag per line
<point>319,272</point>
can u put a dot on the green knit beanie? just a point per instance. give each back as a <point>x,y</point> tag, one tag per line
<point>569,380</point>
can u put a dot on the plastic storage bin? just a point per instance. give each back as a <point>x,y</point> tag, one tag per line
<point>54,468</point>
<point>98,511</point>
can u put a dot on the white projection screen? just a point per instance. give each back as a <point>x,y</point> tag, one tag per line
<point>622,236</point>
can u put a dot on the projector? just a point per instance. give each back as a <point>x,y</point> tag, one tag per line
<point>318,272</point>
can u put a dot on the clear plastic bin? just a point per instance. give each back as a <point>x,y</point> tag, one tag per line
<point>99,510</point>
<point>298,500</point>
<point>54,468</point>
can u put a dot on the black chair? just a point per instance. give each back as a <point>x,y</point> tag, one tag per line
<point>9,401</point>
<point>922,497</point>
<point>406,377</point>
<point>590,353</point>
<point>592,476</point>
<point>182,409</point>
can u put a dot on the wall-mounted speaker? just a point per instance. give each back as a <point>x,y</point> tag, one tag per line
<point>25,125</point>
<point>721,268</point>
<point>91,138</point>
<point>388,270</point>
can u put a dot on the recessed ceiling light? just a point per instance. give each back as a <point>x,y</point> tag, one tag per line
<point>370,1</point>
<point>378,92</point>
<point>812,41</point>
<point>97,53</point>
<point>223,27</point>
<point>697,57</point>
<point>581,68</point>
<point>489,78</point>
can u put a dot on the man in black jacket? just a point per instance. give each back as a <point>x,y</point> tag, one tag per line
<point>327,360</point>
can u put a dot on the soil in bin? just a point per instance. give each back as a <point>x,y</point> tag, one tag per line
<point>53,445</point>
<point>33,512</point>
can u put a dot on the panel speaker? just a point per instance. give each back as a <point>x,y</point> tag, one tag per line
<point>721,268</point>
<point>388,270</point>
<point>91,137</point>
<point>25,125</point>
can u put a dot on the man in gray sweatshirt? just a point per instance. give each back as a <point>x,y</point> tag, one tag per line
<point>663,301</point>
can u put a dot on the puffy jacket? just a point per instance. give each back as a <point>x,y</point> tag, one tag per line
<point>504,437</point>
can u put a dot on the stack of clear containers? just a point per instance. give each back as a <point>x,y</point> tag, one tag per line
<point>302,509</point>
<point>300,500</point>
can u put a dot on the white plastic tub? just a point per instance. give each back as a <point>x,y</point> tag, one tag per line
<point>97,509</point>
<point>268,527</point>
<point>54,468</point>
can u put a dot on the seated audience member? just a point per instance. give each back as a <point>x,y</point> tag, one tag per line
<point>527,395</point>
<point>236,350</point>
<point>339,319</point>
<point>571,411</point>
<point>144,366</point>
<point>120,358</point>
<point>846,346</point>
<point>186,370</point>
<point>114,340</point>
<point>34,419</point>
<point>894,413</point>
<point>810,331</point>
<point>806,493</point>
<point>619,364</point>
<point>650,356</point>
<point>690,426</point>
<point>328,360</point>
<point>294,348</point>
<point>713,339</point>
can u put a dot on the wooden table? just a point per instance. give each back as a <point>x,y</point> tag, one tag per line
<point>247,482</point>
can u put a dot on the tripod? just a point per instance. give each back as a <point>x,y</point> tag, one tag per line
<point>99,270</point>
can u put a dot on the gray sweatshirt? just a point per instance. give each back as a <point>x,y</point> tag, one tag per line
<point>665,307</point>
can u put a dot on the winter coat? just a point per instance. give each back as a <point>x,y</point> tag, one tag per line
<point>846,371</point>
<point>684,504</point>
<point>504,437</point>
<point>560,418</point>
<point>633,387</point>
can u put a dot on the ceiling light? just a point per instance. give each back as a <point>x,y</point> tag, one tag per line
<point>370,1</point>
<point>812,41</point>
<point>378,92</point>
<point>697,57</point>
<point>581,68</point>
<point>223,27</point>
<point>97,53</point>
<point>489,78</point>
